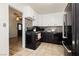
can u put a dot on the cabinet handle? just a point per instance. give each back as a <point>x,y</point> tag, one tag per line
<point>69,51</point>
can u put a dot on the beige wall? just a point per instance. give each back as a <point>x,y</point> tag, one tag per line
<point>13,22</point>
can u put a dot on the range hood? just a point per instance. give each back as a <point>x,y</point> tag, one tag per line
<point>29,18</point>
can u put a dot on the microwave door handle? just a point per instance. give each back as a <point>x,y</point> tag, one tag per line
<point>69,51</point>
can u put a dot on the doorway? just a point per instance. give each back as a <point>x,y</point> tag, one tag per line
<point>15,30</point>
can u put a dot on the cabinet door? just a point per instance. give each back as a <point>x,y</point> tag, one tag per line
<point>29,12</point>
<point>56,20</point>
<point>59,20</point>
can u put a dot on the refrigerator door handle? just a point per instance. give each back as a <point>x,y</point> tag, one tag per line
<point>69,51</point>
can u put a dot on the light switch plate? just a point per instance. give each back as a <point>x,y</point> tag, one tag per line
<point>4,24</point>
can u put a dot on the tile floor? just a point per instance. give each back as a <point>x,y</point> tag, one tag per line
<point>45,49</point>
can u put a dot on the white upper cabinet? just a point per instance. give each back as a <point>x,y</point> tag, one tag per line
<point>58,20</point>
<point>50,20</point>
<point>55,19</point>
<point>29,12</point>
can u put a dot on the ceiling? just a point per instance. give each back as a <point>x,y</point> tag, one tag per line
<point>45,8</point>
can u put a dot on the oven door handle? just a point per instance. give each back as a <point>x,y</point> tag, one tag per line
<point>69,51</point>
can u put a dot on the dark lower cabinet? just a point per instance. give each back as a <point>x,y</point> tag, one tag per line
<point>31,40</point>
<point>47,37</point>
<point>51,37</point>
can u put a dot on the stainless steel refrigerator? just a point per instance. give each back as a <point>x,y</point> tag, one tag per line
<point>71,29</point>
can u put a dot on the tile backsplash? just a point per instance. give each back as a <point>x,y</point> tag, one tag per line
<point>53,28</point>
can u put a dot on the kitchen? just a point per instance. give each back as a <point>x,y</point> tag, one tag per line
<point>46,27</point>
<point>39,29</point>
<point>57,28</point>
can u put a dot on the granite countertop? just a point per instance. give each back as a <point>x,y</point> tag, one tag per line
<point>46,31</point>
